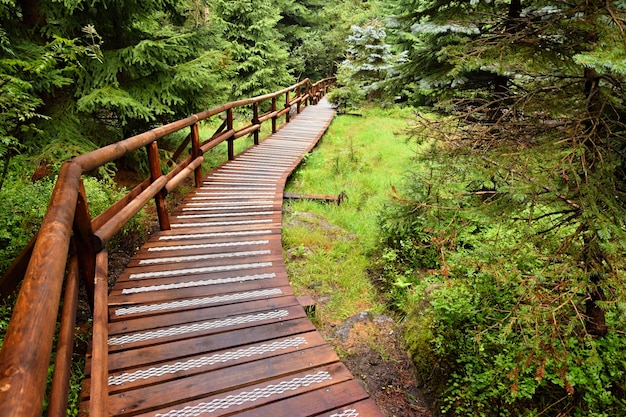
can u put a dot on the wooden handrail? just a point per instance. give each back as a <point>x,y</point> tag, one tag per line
<point>25,354</point>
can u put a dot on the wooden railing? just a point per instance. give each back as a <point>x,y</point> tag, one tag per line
<point>70,245</point>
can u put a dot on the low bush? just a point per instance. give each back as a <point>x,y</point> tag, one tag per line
<point>490,272</point>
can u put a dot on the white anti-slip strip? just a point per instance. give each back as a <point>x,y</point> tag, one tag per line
<point>203,270</point>
<point>240,207</point>
<point>221,215</point>
<point>227,203</point>
<point>249,396</point>
<point>178,259</point>
<point>208,245</point>
<point>257,190</point>
<point>198,302</point>
<point>205,361</point>
<point>197,327</point>
<point>249,166</point>
<point>200,283</point>
<point>237,223</point>
<point>264,161</point>
<point>217,234</point>
<point>257,181</point>
<point>252,176</point>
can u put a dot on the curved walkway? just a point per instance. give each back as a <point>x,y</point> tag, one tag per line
<point>204,321</point>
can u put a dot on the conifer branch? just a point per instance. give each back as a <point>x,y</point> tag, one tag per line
<point>532,181</point>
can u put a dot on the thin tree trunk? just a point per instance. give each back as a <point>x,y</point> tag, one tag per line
<point>5,169</point>
<point>592,254</point>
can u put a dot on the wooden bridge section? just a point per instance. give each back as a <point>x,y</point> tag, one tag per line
<point>204,321</point>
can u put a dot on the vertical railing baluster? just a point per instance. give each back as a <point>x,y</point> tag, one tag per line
<point>85,248</point>
<point>155,173</point>
<point>195,152</point>
<point>298,95</point>
<point>307,93</point>
<point>99,351</point>
<point>65,343</point>
<point>274,118</point>
<point>287,105</point>
<point>229,126</point>
<point>255,120</point>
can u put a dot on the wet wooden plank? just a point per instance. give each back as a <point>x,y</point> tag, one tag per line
<point>232,381</point>
<point>253,396</point>
<point>204,312</point>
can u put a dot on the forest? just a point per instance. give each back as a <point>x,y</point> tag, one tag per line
<point>503,253</point>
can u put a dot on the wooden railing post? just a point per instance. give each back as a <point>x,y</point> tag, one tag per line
<point>99,349</point>
<point>196,152</point>
<point>307,93</point>
<point>25,354</point>
<point>287,105</point>
<point>156,173</point>
<point>298,95</point>
<point>85,248</point>
<point>275,118</point>
<point>229,126</point>
<point>255,121</point>
<point>65,344</point>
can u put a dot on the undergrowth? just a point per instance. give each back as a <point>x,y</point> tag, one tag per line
<point>329,246</point>
<point>487,268</point>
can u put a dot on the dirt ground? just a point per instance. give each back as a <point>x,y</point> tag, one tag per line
<point>371,347</point>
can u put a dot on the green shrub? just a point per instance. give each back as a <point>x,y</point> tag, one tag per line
<point>496,292</point>
<point>23,205</point>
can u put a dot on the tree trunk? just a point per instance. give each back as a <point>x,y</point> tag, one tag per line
<point>501,82</point>
<point>592,254</point>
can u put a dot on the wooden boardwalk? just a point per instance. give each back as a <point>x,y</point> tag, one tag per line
<point>204,321</point>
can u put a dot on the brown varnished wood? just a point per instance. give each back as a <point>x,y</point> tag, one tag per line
<point>25,354</point>
<point>208,303</point>
<point>318,402</point>
<point>313,340</point>
<point>207,314</point>
<point>65,343</point>
<point>232,339</point>
<point>210,300</point>
<point>99,406</point>
<point>239,380</point>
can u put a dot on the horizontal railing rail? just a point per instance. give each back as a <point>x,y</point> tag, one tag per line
<point>70,244</point>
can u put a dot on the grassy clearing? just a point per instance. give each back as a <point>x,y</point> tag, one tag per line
<point>329,249</point>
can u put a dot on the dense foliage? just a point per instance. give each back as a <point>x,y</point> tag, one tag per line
<point>510,236</point>
<point>76,75</point>
<point>505,249</point>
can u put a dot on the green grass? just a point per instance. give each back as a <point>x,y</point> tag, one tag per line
<point>365,157</point>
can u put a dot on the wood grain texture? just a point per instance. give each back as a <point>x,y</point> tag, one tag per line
<point>204,320</point>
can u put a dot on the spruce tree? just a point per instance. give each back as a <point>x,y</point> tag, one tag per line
<point>530,200</point>
<point>260,58</point>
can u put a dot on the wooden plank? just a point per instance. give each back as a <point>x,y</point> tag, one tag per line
<point>202,328</point>
<point>198,266</point>
<point>248,397</point>
<point>231,380</point>
<point>127,361</point>
<point>259,282</point>
<point>201,315</point>
<point>346,399</point>
<point>204,312</point>
<point>177,305</point>
<point>211,279</point>
<point>212,361</point>
<point>208,343</point>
